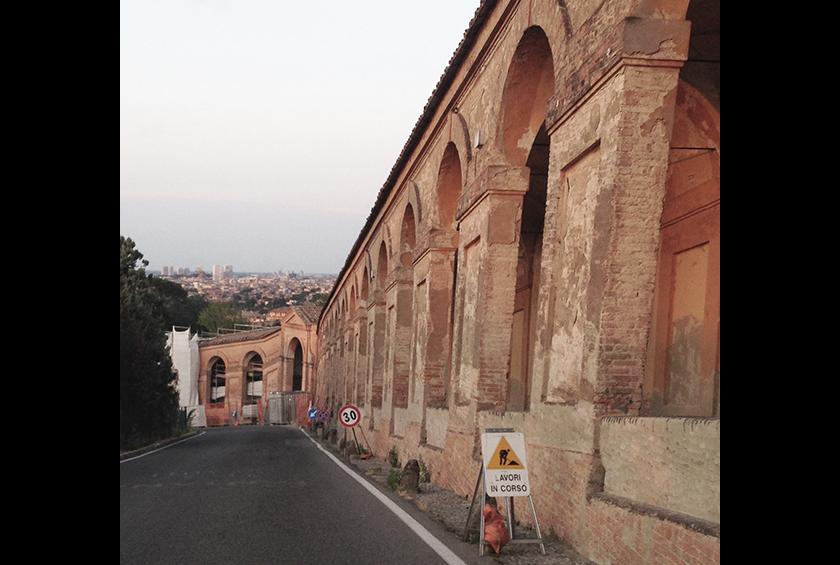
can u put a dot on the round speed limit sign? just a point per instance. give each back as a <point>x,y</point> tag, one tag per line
<point>349,415</point>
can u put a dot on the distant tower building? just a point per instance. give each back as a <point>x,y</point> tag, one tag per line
<point>218,272</point>
<point>228,271</point>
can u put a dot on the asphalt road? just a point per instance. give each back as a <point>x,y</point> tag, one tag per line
<point>260,495</point>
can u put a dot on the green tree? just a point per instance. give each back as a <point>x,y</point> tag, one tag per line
<point>178,308</point>
<point>219,315</point>
<point>319,298</point>
<point>148,398</point>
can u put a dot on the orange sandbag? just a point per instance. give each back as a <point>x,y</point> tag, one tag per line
<point>495,531</point>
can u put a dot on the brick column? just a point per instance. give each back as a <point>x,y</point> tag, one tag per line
<point>376,346</point>
<point>347,363</point>
<point>233,390</point>
<point>401,339</point>
<point>610,149</point>
<point>361,356</point>
<point>434,325</point>
<point>487,260</point>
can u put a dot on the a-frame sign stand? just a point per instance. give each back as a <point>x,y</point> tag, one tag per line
<point>509,518</point>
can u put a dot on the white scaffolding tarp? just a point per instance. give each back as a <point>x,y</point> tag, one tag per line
<point>183,350</point>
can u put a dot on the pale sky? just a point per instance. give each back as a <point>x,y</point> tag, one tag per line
<point>257,133</point>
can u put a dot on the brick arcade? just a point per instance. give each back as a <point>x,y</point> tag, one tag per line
<point>545,256</point>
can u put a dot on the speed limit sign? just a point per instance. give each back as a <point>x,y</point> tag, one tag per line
<point>349,415</point>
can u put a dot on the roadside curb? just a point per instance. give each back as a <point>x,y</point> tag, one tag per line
<point>157,445</point>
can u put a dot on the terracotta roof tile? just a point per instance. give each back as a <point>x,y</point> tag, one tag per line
<point>309,313</point>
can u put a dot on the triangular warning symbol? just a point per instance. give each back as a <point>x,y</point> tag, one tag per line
<point>504,457</point>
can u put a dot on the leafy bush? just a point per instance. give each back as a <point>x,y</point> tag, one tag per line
<point>394,457</point>
<point>394,477</point>
<point>425,476</point>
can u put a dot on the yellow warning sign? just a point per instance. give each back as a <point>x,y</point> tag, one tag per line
<point>504,457</point>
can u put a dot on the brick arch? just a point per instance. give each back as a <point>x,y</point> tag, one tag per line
<point>408,235</point>
<point>364,288</point>
<point>246,360</point>
<point>382,259</point>
<point>209,386</point>
<point>449,186</point>
<point>529,85</point>
<point>256,351</point>
<point>295,366</point>
<point>413,195</point>
<point>219,355</point>
<point>461,132</point>
<point>683,368</point>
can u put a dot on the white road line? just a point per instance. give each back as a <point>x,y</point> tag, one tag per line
<point>438,546</point>
<point>161,448</point>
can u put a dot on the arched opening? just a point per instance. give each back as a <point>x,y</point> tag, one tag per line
<point>400,327</point>
<point>217,381</point>
<point>253,380</point>
<point>683,366</point>
<point>365,287</point>
<point>682,369</point>
<point>297,364</point>
<point>408,238</point>
<point>435,298</point>
<point>448,187</point>
<point>382,267</point>
<point>529,85</point>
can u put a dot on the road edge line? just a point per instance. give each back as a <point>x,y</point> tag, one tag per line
<point>161,448</point>
<point>438,546</point>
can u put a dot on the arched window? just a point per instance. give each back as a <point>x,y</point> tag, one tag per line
<point>217,381</point>
<point>254,379</point>
<point>297,364</point>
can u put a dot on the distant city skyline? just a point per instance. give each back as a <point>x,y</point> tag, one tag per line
<point>174,271</point>
<point>259,133</point>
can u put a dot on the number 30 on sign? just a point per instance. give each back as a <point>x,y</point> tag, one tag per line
<point>349,415</point>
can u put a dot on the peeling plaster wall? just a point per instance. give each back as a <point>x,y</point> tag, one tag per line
<point>672,463</point>
<point>436,424</point>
